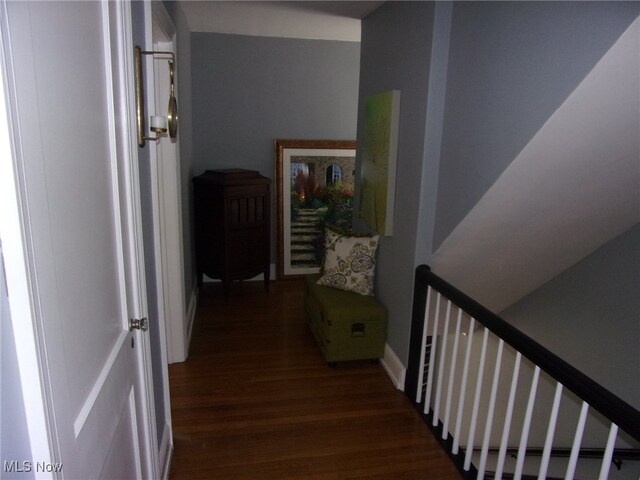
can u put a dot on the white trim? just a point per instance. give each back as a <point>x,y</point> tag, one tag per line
<point>123,145</point>
<point>394,367</point>
<point>167,196</point>
<point>115,185</point>
<point>21,283</point>
<point>134,430</point>
<point>191,315</point>
<point>166,451</point>
<point>155,13</point>
<point>163,20</point>
<point>90,401</point>
<point>152,13</point>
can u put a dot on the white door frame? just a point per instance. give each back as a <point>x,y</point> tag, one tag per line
<point>27,330</point>
<point>128,132</point>
<point>167,197</point>
<point>165,292</point>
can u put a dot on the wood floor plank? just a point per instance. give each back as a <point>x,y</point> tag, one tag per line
<point>255,400</point>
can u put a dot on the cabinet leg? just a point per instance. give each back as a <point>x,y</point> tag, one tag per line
<point>267,279</point>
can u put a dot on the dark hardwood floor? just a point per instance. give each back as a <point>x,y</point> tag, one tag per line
<point>255,400</point>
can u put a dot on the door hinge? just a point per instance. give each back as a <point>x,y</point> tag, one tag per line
<point>139,324</point>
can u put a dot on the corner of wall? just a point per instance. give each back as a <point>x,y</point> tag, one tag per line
<point>394,367</point>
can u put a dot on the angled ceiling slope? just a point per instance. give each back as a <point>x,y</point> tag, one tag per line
<point>574,187</point>
<point>338,20</point>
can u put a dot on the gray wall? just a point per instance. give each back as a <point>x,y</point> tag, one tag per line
<point>588,315</point>
<point>247,91</point>
<point>396,51</point>
<point>486,76</point>
<point>511,65</point>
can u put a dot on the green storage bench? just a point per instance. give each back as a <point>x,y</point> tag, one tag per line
<point>346,325</point>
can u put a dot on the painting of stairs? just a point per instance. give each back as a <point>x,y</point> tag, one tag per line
<point>305,230</point>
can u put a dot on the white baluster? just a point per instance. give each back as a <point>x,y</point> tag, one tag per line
<point>476,402</point>
<point>454,358</point>
<point>577,441</point>
<point>553,420</point>
<point>608,452</point>
<point>432,356</point>
<point>463,388</point>
<point>524,437</point>
<point>423,348</point>
<point>443,354</point>
<point>492,404</point>
<point>507,419</point>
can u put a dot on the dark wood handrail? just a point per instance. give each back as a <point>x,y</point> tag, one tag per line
<point>614,408</point>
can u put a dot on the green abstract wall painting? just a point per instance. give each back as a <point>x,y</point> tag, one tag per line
<point>378,165</point>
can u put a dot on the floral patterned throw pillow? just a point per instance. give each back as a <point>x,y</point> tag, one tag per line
<point>349,262</point>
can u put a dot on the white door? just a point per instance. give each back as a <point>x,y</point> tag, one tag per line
<point>70,93</point>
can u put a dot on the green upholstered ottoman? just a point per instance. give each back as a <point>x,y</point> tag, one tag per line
<point>347,326</point>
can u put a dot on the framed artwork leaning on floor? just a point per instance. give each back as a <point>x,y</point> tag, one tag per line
<point>314,188</point>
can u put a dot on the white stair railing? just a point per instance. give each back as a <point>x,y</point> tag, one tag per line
<point>503,405</point>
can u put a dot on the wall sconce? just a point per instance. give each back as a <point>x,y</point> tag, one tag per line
<point>158,124</point>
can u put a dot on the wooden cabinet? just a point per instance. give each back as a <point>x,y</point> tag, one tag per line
<point>232,225</point>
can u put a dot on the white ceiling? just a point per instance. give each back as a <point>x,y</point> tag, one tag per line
<point>574,187</point>
<point>319,20</point>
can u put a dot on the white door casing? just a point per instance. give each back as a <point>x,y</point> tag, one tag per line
<point>165,293</point>
<point>68,70</point>
<point>166,166</point>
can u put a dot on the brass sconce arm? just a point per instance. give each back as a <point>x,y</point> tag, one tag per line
<point>157,124</point>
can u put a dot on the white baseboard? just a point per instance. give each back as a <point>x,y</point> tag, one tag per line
<point>191,315</point>
<point>166,452</point>
<point>394,367</point>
